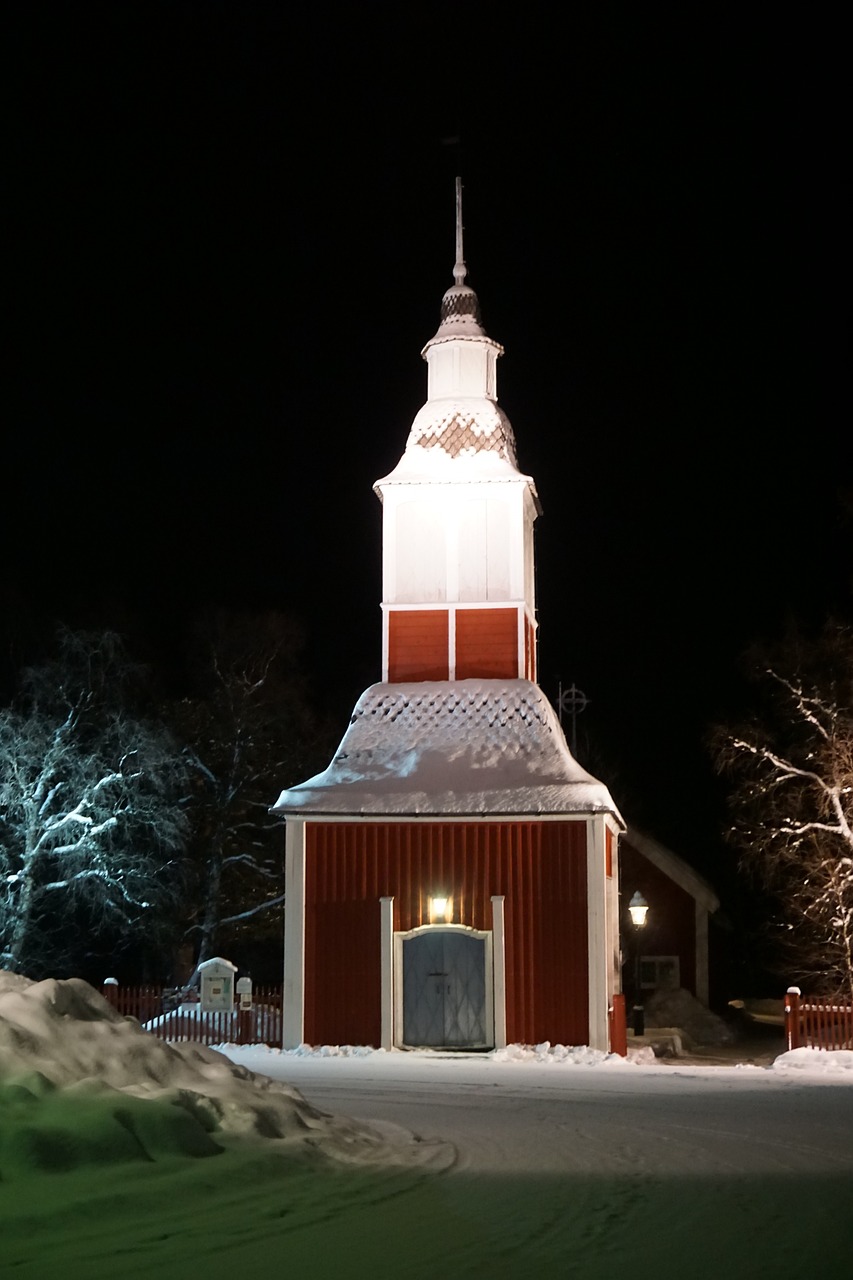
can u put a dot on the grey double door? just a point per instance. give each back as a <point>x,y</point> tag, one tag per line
<point>444,990</point>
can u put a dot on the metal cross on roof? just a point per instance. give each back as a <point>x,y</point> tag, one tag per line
<point>574,701</point>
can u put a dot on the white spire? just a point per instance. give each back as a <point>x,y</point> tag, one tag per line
<point>460,308</point>
<point>460,271</point>
<point>461,418</point>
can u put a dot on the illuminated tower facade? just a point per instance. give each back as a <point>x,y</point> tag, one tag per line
<point>458,597</point>
<point>452,875</point>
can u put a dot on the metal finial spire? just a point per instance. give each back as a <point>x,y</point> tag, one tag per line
<point>460,271</point>
<point>460,310</point>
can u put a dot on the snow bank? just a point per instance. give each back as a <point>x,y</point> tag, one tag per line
<point>80,1084</point>
<point>826,1061</point>
<point>319,1051</point>
<point>568,1055</point>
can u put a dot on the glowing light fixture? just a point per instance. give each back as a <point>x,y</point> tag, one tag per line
<point>440,910</point>
<point>638,908</point>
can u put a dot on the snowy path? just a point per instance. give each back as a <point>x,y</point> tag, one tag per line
<point>572,1119</point>
<point>715,1171</point>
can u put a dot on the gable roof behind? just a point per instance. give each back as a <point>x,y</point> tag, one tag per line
<point>671,865</point>
<point>452,747</point>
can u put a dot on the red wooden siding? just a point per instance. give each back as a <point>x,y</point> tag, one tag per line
<point>487,643</point>
<point>670,928</point>
<point>529,650</point>
<point>417,645</point>
<point>539,867</point>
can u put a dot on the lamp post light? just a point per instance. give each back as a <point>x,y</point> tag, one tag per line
<point>638,909</point>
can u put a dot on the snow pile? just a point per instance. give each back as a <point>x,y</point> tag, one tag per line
<point>570,1055</point>
<point>680,1009</point>
<point>822,1060</point>
<point>307,1050</point>
<point>330,1051</point>
<point>81,1085</point>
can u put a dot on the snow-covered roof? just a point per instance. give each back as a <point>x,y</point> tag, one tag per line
<point>463,427</point>
<point>674,867</point>
<point>451,747</point>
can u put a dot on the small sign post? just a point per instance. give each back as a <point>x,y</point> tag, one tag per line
<point>217,985</point>
<point>244,1013</point>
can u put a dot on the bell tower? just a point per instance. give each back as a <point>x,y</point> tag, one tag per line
<point>457,528</point>
<point>453,780</point>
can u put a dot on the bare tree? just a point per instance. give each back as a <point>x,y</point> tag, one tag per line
<point>249,732</point>
<point>90,814</point>
<point>793,804</point>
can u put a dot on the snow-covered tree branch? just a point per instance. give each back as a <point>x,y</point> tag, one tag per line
<point>792,802</point>
<point>90,819</point>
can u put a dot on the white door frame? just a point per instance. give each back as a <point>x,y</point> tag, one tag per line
<point>400,938</point>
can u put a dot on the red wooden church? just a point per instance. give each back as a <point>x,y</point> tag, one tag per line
<point>452,875</point>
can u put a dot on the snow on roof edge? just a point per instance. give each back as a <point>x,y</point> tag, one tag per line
<point>447,805</point>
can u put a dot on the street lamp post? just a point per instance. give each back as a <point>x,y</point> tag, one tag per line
<point>638,909</point>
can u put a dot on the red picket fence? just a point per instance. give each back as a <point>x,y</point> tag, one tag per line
<point>817,1022</point>
<point>175,1015</point>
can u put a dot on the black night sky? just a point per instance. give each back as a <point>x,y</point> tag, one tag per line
<point>230,231</point>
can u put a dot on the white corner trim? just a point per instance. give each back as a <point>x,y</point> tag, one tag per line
<point>499,969</point>
<point>597,948</point>
<point>294,935</point>
<point>386,926</point>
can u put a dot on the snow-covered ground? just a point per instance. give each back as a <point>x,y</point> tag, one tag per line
<point>122,1156</point>
<point>270,1061</point>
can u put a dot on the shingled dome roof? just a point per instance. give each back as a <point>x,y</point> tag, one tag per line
<point>463,429</point>
<point>460,316</point>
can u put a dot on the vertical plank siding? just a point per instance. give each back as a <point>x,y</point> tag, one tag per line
<point>418,645</point>
<point>487,643</point>
<point>540,869</point>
